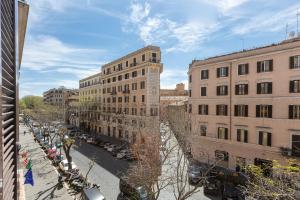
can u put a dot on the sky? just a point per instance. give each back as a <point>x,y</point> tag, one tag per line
<point>70,40</point>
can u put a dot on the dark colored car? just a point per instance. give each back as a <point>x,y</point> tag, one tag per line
<point>212,187</point>
<point>195,174</point>
<point>231,192</point>
<point>132,192</point>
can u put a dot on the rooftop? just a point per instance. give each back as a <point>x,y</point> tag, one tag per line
<point>286,44</point>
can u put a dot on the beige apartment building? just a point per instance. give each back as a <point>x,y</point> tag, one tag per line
<point>89,107</point>
<point>58,96</point>
<point>244,107</point>
<point>123,100</point>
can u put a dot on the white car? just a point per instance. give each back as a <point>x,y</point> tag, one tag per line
<point>63,165</point>
<point>121,155</point>
<point>111,148</point>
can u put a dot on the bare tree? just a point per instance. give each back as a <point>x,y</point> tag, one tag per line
<point>67,143</point>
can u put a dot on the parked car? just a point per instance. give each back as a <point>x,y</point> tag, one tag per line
<point>212,187</point>
<point>106,145</point>
<point>111,148</point>
<point>230,192</point>
<point>134,192</point>
<point>63,165</point>
<point>92,194</point>
<point>91,140</point>
<point>120,155</point>
<point>195,174</point>
<point>83,137</point>
<point>57,159</point>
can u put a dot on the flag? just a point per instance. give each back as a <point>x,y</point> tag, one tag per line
<point>25,162</point>
<point>29,164</point>
<point>29,178</point>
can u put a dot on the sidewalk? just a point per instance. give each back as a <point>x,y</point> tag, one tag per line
<point>44,173</point>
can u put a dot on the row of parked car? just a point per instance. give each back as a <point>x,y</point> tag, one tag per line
<point>74,178</point>
<point>118,151</point>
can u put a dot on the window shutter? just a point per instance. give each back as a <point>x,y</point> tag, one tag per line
<point>226,133</point>
<point>218,72</point>
<point>291,111</point>
<point>226,71</point>
<point>258,88</point>
<point>239,70</point>
<point>292,62</point>
<point>246,136</point>
<point>235,110</point>
<point>269,139</point>
<point>246,88</point>
<point>270,111</point>
<point>236,89</point>
<point>257,110</point>
<point>226,110</point>
<point>247,68</point>
<point>218,90</point>
<point>291,86</point>
<point>206,106</point>
<point>238,135</point>
<point>207,74</point>
<point>217,109</point>
<point>226,90</point>
<point>199,109</point>
<point>270,88</point>
<point>202,74</point>
<point>258,66</point>
<point>260,137</point>
<point>246,110</point>
<point>271,65</point>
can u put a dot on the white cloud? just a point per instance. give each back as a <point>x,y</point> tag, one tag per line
<point>225,6</point>
<point>268,21</point>
<point>43,53</point>
<point>169,78</point>
<point>158,29</point>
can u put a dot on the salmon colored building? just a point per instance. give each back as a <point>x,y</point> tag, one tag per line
<point>244,107</point>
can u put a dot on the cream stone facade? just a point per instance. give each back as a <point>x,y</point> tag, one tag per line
<point>89,107</point>
<point>244,107</point>
<point>123,100</point>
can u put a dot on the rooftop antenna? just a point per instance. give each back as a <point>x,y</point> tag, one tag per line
<point>286,30</point>
<point>298,14</point>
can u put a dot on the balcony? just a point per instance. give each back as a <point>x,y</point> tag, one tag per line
<point>154,60</point>
<point>113,93</point>
<point>133,64</point>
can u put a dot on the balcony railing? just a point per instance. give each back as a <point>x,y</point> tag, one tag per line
<point>126,91</point>
<point>133,64</point>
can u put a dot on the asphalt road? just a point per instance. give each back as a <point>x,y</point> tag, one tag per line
<point>106,170</point>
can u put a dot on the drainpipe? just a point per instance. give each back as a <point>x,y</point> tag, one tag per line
<point>230,101</point>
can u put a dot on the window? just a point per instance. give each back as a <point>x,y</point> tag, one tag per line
<point>264,111</point>
<point>223,133</point>
<point>134,99</point>
<point>242,135</point>
<point>203,91</point>
<point>221,109</point>
<point>120,88</point>
<point>294,111</point>
<point>153,111</point>
<point>126,99</point>
<point>203,130</point>
<point>120,67</point>
<point>134,74</point>
<point>126,63</point>
<point>114,79</point>
<point>264,88</point>
<point>241,110</point>
<point>134,86</point>
<point>143,72</point>
<point>143,98</point>
<point>190,78</point>
<point>265,66</point>
<point>222,72</point>
<point>241,89</point>
<point>203,109</point>
<point>222,90</point>
<point>296,145</point>
<point>143,57</point>
<point>127,76</point>
<point>295,62</point>
<point>295,86</point>
<point>143,85</point>
<point>120,78</point>
<point>190,108</point>
<point>204,74</point>
<point>243,69</point>
<point>265,138</point>
<point>119,99</point>
<point>190,93</point>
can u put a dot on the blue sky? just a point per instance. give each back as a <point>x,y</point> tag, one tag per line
<point>69,40</point>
